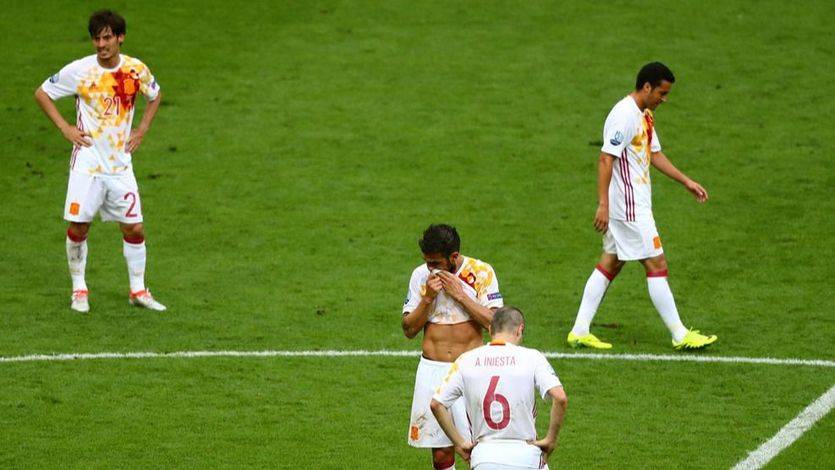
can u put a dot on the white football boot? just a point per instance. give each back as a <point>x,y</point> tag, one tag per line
<point>80,303</point>
<point>144,299</point>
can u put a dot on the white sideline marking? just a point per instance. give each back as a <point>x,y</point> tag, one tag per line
<point>388,353</point>
<point>789,433</point>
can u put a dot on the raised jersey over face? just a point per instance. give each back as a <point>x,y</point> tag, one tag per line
<point>478,281</point>
<point>629,135</point>
<point>105,103</point>
<point>498,382</point>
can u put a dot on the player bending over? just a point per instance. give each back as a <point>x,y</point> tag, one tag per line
<point>498,382</point>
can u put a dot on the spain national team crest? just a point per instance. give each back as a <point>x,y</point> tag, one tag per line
<point>126,87</point>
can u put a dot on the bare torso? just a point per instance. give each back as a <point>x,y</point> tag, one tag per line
<point>446,342</point>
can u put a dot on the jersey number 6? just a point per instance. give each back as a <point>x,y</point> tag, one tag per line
<point>491,397</point>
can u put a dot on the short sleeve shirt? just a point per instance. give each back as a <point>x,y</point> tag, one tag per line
<point>630,136</point>
<point>498,382</point>
<point>478,281</point>
<point>105,104</point>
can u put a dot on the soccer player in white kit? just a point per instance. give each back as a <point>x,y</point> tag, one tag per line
<point>451,298</point>
<point>101,180</point>
<point>498,382</point>
<point>624,214</point>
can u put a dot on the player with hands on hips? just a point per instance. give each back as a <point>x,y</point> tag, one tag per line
<point>498,383</point>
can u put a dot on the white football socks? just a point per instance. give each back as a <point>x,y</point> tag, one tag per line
<point>77,260</point>
<point>135,258</point>
<point>662,298</point>
<point>592,296</point>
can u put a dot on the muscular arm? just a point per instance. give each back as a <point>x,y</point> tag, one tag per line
<point>148,115</point>
<point>481,314</point>
<point>70,132</point>
<point>415,320</point>
<point>559,402</point>
<point>604,177</point>
<point>664,165</point>
<point>452,286</point>
<point>442,414</point>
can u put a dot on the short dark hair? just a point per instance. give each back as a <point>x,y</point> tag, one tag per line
<point>654,73</point>
<point>440,238</point>
<point>506,319</point>
<point>106,19</point>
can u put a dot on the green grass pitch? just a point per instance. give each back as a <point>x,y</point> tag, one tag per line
<point>301,148</point>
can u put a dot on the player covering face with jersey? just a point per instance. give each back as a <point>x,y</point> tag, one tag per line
<point>451,299</point>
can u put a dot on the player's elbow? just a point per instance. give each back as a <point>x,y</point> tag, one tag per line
<point>408,330</point>
<point>559,397</point>
<point>606,159</point>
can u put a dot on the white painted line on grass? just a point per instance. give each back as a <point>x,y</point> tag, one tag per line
<point>390,353</point>
<point>789,433</point>
<point>686,357</point>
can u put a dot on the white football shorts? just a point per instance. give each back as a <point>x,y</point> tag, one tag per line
<point>424,430</point>
<point>632,240</point>
<point>504,454</point>
<point>113,197</point>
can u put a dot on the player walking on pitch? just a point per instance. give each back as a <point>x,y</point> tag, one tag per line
<point>101,179</point>
<point>497,382</point>
<point>624,213</point>
<point>451,298</point>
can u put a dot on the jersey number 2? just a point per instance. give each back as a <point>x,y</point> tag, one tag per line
<point>491,397</point>
<point>130,212</point>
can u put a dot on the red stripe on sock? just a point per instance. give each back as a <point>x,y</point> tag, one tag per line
<point>658,274</point>
<point>603,271</point>
<point>74,237</point>
<point>134,240</point>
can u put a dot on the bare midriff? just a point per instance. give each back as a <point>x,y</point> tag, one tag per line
<point>445,343</point>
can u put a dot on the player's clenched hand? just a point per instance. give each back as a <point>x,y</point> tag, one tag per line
<point>452,286</point>
<point>76,136</point>
<point>464,450</point>
<point>546,445</point>
<point>698,191</point>
<point>134,141</point>
<point>433,286</point>
<point>601,219</point>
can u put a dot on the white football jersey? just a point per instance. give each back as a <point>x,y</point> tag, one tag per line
<point>629,135</point>
<point>478,280</point>
<point>498,382</point>
<point>104,102</point>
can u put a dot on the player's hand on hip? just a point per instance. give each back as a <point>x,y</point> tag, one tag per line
<point>433,286</point>
<point>452,286</point>
<point>464,450</point>
<point>698,191</point>
<point>77,136</point>
<point>547,446</point>
<point>601,219</point>
<point>134,141</point>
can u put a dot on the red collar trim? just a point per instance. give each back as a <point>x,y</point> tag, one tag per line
<point>497,342</point>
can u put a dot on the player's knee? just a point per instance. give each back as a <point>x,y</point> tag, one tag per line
<point>134,231</point>
<point>78,231</point>
<point>654,265</point>
<point>443,458</point>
